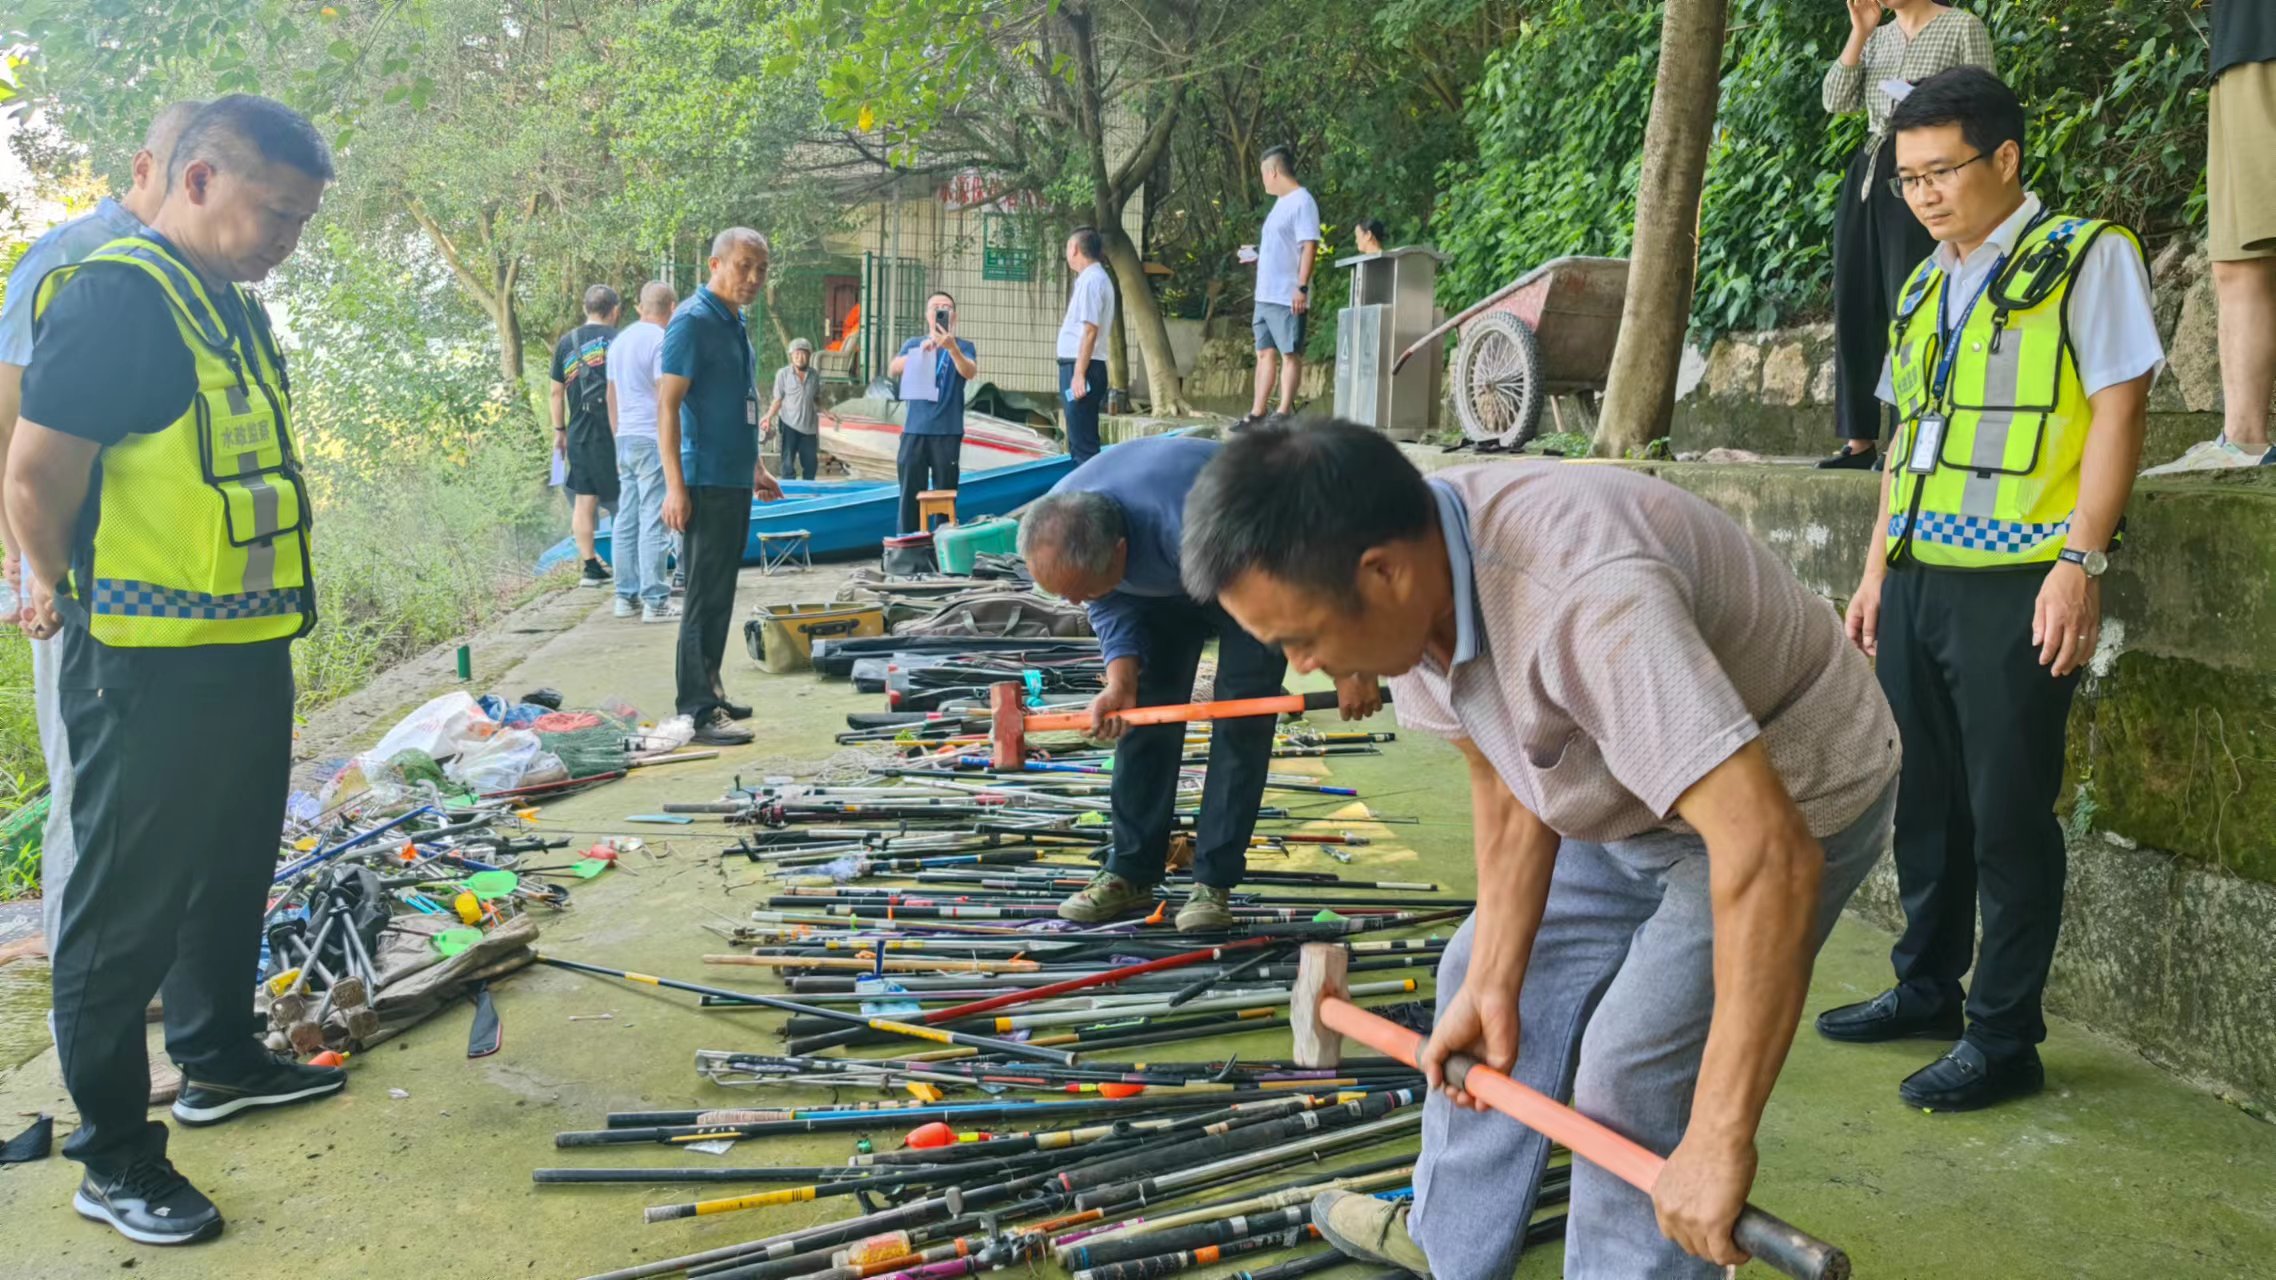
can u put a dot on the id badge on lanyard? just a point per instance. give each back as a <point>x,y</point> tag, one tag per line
<point>1928,431</point>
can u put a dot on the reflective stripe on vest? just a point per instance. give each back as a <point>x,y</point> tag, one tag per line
<point>200,534</point>
<point>2007,472</point>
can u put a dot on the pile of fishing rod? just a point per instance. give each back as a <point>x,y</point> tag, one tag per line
<point>1151,1182</point>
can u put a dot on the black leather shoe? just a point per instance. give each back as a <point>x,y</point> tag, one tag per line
<point>149,1203</point>
<point>1965,1080</point>
<point>1884,1017</point>
<point>1849,461</point>
<point>736,710</point>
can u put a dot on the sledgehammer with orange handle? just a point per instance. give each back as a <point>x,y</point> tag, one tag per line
<point>1008,734</point>
<point>1773,1242</point>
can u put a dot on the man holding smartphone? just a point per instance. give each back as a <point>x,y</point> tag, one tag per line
<point>932,371</point>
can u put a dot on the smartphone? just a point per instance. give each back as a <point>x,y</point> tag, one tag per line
<point>940,317</point>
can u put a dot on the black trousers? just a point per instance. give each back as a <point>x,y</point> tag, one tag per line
<point>1082,415</point>
<point>1147,759</point>
<point>801,454</point>
<point>1983,726</point>
<point>1876,244</point>
<point>927,462</point>
<point>178,797</point>
<point>711,553</point>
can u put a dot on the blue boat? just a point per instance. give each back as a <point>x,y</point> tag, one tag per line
<point>852,517</point>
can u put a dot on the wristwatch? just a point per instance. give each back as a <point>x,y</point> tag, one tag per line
<point>1303,288</point>
<point>2095,563</point>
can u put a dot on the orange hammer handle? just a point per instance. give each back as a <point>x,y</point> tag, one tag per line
<point>1185,713</point>
<point>1772,1241</point>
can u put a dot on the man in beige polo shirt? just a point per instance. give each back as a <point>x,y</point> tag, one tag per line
<point>1679,771</point>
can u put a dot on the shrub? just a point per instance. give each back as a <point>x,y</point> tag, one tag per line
<point>2116,89</point>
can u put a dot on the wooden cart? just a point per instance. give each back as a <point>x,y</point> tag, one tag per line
<point>1549,333</point>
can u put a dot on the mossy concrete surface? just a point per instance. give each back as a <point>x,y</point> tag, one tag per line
<point>423,1167</point>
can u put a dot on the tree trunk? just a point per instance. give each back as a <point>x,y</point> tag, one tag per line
<point>1118,351</point>
<point>1639,399</point>
<point>509,339</point>
<point>1165,390</point>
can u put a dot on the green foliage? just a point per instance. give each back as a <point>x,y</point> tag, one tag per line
<point>23,773</point>
<point>2115,89</point>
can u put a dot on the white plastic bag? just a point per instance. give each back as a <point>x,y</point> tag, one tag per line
<point>499,763</point>
<point>442,728</point>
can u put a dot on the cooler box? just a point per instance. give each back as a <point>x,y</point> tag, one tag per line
<point>781,636</point>
<point>959,546</point>
<point>909,556</point>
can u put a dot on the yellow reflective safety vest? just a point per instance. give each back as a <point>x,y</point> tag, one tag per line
<point>1993,418</point>
<point>201,533</point>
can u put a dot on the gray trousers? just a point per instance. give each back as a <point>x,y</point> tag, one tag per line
<point>1613,1015</point>
<point>57,849</point>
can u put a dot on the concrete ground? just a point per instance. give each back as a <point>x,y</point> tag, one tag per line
<point>423,1167</point>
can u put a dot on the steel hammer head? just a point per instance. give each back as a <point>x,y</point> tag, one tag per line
<point>1007,730</point>
<point>1321,972</point>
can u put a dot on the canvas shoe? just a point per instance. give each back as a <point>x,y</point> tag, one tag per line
<point>595,574</point>
<point>1361,1226</point>
<point>1206,910</point>
<point>1105,897</point>
<point>716,729</point>
<point>668,611</point>
<point>2216,454</point>
<point>626,607</point>
<point>149,1203</point>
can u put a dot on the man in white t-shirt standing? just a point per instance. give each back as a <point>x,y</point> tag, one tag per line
<point>1284,255</point>
<point>1082,341</point>
<point>638,541</point>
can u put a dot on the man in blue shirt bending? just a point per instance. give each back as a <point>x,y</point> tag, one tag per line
<point>1107,537</point>
<point>707,435</point>
<point>932,429</point>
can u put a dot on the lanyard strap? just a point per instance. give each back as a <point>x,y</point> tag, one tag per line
<point>1947,336</point>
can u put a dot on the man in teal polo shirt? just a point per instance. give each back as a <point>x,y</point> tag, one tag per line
<point>707,431</point>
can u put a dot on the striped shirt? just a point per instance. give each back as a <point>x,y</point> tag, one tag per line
<point>1619,638</point>
<point>1953,38</point>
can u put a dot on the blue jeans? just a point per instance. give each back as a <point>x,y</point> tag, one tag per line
<point>1614,1016</point>
<point>638,543</point>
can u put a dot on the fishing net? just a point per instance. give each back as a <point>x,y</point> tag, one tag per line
<point>588,743</point>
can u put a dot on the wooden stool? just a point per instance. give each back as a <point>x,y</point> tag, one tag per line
<point>792,549</point>
<point>935,502</point>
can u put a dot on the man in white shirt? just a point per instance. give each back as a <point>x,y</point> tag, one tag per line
<point>1284,255</point>
<point>639,543</point>
<point>1082,341</point>
<point>2020,365</point>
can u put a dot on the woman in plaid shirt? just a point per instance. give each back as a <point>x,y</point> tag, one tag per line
<point>1876,240</point>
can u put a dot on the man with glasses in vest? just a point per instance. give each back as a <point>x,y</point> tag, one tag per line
<point>2020,364</point>
<point>155,483</point>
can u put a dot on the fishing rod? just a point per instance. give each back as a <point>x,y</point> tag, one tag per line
<point>835,1015</point>
<point>1004,1025</point>
<point>1109,978</point>
<point>844,1119</point>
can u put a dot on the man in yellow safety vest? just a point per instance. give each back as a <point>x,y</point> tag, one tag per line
<point>155,485</point>
<point>2020,364</point>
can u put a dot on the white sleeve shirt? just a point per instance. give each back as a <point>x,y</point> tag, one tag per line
<point>1294,220</point>
<point>1090,302</point>
<point>2113,328</point>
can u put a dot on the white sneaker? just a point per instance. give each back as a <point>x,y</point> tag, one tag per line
<point>669,611</point>
<point>2216,454</point>
<point>625,608</point>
